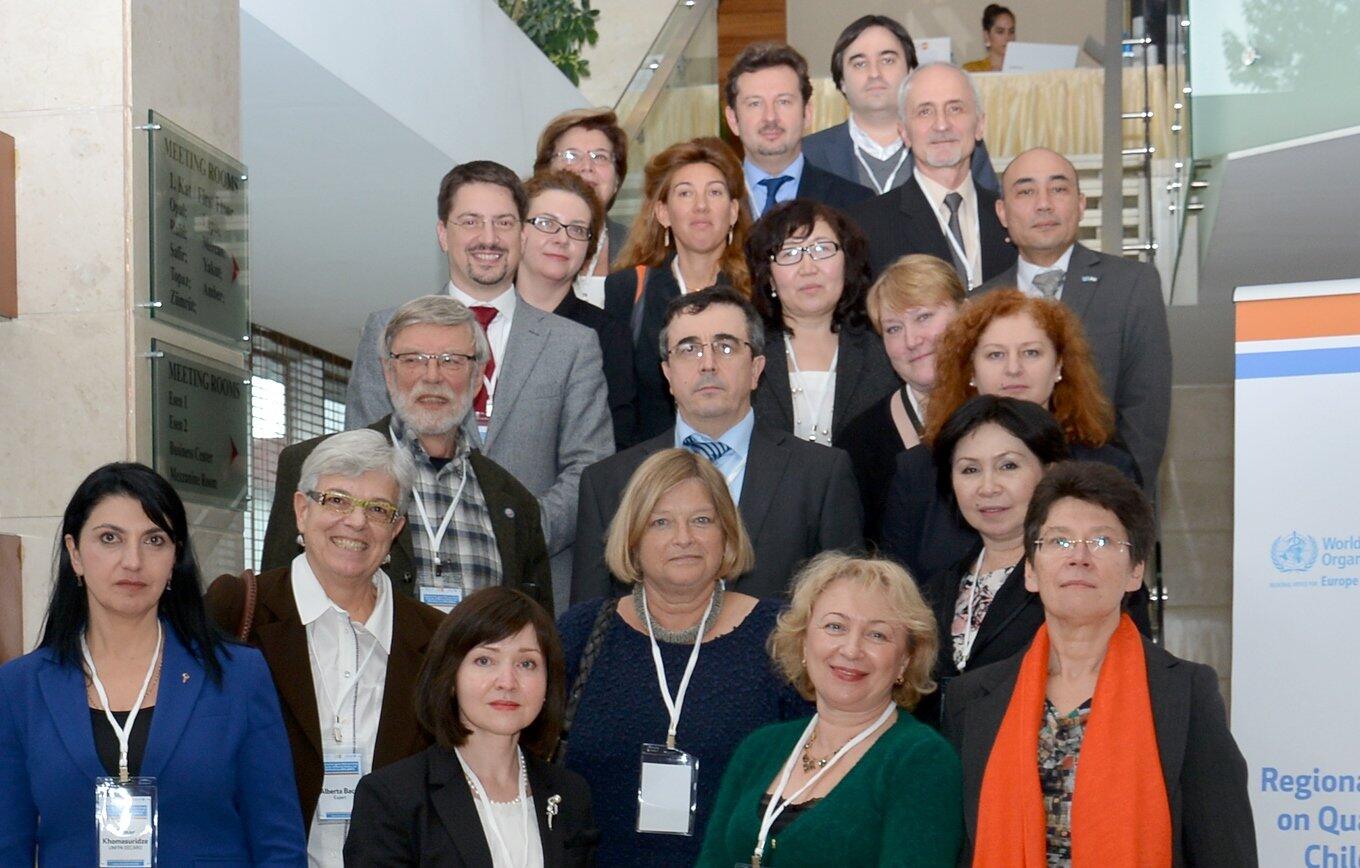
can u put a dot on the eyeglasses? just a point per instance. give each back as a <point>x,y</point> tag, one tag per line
<point>376,511</point>
<point>598,157</point>
<point>551,226</point>
<point>693,351</point>
<point>794,255</point>
<point>1099,546</point>
<point>452,363</point>
<point>470,224</point>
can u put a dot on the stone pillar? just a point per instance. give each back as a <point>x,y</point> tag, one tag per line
<point>76,80</point>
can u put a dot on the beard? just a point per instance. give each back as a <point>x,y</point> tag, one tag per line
<point>431,421</point>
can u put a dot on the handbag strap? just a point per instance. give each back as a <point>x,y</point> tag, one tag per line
<point>594,642</point>
<point>248,610</point>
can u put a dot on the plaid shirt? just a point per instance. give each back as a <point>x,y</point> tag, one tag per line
<point>468,553</point>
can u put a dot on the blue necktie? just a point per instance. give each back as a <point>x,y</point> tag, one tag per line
<point>772,186</point>
<point>710,449</point>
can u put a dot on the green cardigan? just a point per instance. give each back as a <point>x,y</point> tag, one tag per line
<point>901,805</point>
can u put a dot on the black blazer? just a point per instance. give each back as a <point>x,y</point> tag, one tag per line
<point>863,376</point>
<point>873,444</point>
<point>797,500</point>
<point>514,520</point>
<point>655,406</point>
<point>901,221</point>
<point>617,350</point>
<point>1011,621</point>
<point>1204,771</point>
<point>420,812</point>
<point>828,188</point>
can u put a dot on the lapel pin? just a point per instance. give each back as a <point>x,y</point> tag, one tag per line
<point>553,802</point>
<point>184,678</point>
<point>509,513</point>
<point>1089,278</point>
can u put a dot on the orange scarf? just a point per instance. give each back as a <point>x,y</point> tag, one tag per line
<point>1120,814</point>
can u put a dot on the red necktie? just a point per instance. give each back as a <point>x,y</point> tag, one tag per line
<point>485,315</point>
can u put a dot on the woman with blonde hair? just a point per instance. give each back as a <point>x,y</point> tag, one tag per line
<point>666,682</point>
<point>689,234</point>
<point>862,782</point>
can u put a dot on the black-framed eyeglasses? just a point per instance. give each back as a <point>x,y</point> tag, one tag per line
<point>375,511</point>
<point>453,363</point>
<point>794,255</point>
<point>693,351</point>
<point>1100,546</point>
<point>597,156</point>
<point>551,226</point>
<point>472,223</point>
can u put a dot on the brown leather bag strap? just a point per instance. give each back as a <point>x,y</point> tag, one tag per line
<point>248,610</point>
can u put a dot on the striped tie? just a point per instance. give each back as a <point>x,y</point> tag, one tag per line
<point>710,449</point>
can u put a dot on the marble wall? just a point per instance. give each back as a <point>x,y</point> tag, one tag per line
<point>76,78</point>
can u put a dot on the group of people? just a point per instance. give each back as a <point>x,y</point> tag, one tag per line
<point>681,437</point>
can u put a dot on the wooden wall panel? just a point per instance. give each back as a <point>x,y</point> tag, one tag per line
<point>9,272</point>
<point>11,598</point>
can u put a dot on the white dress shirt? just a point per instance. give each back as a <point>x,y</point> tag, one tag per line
<point>968,219</point>
<point>349,668</point>
<point>1025,272</point>
<point>498,332</point>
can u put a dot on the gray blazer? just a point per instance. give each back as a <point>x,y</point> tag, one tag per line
<point>1204,771</point>
<point>551,419</point>
<point>797,500</point>
<point>832,149</point>
<point>1121,308</point>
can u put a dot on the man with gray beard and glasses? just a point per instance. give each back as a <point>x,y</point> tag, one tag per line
<point>470,524</point>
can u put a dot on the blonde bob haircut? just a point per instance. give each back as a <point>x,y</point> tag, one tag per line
<point>914,280</point>
<point>653,478</point>
<point>906,607</point>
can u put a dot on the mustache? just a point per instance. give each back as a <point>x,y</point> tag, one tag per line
<point>486,248</point>
<point>770,127</point>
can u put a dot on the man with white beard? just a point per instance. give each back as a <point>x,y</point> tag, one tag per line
<point>470,524</point>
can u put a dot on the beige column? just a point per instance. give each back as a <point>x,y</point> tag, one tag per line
<point>76,78</point>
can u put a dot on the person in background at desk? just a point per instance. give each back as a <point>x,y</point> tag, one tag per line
<point>998,31</point>
<point>559,236</point>
<point>132,688</point>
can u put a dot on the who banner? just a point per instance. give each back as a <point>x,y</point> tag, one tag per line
<point>1296,568</point>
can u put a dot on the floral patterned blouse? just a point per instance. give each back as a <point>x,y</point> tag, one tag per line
<point>975,595</point>
<point>1059,746</point>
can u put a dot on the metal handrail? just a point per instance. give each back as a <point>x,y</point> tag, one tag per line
<point>670,44</point>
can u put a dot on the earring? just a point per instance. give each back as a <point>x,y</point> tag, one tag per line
<point>1059,379</point>
<point>773,293</point>
<point>668,236</point>
<point>901,679</point>
<point>387,560</point>
<point>167,584</point>
<point>302,544</point>
<point>80,580</point>
<point>729,236</point>
<point>971,383</point>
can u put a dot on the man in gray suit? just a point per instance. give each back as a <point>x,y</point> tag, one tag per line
<point>795,498</point>
<point>1119,300</point>
<point>541,412</point>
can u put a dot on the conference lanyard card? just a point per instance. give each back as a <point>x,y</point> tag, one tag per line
<point>343,771</point>
<point>443,599</point>
<point>667,792</point>
<point>125,822</point>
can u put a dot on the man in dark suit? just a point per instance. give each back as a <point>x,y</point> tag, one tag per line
<point>433,354</point>
<point>1119,300</point>
<point>868,63</point>
<point>939,210</point>
<point>796,498</point>
<point>769,104</point>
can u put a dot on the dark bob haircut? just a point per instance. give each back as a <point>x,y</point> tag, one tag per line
<point>698,302</point>
<point>1100,485</point>
<point>479,172</point>
<point>181,605</point>
<point>993,12</point>
<point>484,617</point>
<point>853,32</point>
<point>795,219</point>
<point>1028,422</point>
<point>764,55</point>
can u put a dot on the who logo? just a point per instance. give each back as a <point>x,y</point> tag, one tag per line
<point>1294,552</point>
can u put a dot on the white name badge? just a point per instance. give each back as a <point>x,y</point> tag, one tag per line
<point>667,791</point>
<point>336,803</point>
<point>125,822</point>
<point>443,599</point>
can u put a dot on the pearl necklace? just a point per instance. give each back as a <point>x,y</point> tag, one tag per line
<point>819,418</point>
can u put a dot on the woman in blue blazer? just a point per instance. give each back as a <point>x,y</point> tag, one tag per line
<point>127,637</point>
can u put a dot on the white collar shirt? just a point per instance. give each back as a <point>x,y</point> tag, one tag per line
<point>968,219</point>
<point>340,653</point>
<point>866,143</point>
<point>498,333</point>
<point>1025,272</point>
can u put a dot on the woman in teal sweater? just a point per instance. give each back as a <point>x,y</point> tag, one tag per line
<point>863,782</point>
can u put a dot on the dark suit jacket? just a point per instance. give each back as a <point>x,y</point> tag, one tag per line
<point>655,406</point>
<point>279,633</point>
<point>901,221</point>
<point>833,149</point>
<point>514,519</point>
<point>828,188</point>
<point>797,500</point>
<point>618,237</point>
<point>1205,773</point>
<point>1124,315</point>
<point>863,376</point>
<point>619,379</point>
<point>420,811</point>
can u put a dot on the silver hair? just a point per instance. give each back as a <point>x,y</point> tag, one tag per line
<point>905,86</point>
<point>354,453</point>
<point>441,310</point>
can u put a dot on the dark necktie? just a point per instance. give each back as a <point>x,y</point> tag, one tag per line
<point>485,314</point>
<point>710,449</point>
<point>772,186</point>
<point>953,201</point>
